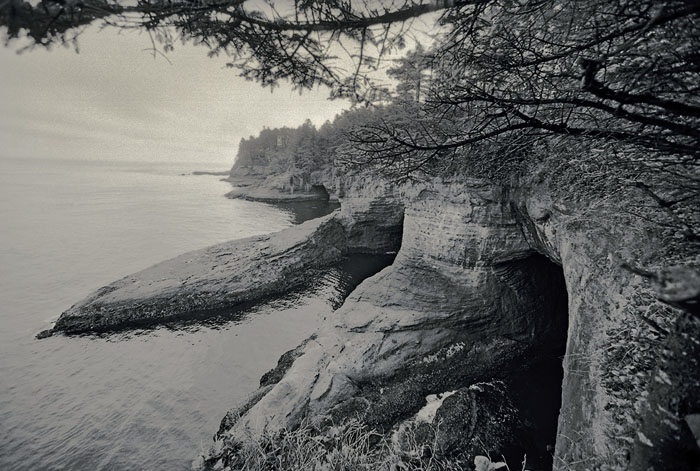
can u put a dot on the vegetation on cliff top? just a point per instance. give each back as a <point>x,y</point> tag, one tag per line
<point>306,149</point>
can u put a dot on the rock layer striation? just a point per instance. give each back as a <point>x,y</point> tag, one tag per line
<point>490,281</point>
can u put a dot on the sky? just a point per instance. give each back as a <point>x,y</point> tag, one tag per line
<point>114,100</point>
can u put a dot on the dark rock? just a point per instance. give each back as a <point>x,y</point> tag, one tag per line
<point>283,364</point>
<point>44,334</point>
<point>476,420</point>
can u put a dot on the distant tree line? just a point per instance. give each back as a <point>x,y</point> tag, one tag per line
<point>304,149</point>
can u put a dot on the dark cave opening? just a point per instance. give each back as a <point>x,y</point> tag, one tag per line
<point>321,191</point>
<point>536,386</point>
<point>530,313</point>
<point>537,392</point>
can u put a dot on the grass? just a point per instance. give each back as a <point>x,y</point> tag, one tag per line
<point>351,447</point>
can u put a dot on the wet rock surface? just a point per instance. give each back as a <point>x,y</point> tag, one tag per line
<point>272,195</point>
<point>283,364</point>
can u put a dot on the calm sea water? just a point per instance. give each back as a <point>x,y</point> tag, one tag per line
<point>148,399</point>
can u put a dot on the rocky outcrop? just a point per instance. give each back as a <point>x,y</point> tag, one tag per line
<point>282,187</point>
<point>464,423</point>
<point>233,274</point>
<point>267,194</point>
<point>489,281</point>
<point>467,299</point>
<point>223,276</point>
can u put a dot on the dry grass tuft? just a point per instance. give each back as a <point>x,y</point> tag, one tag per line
<point>350,447</point>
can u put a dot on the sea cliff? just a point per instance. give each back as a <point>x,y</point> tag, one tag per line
<point>493,283</point>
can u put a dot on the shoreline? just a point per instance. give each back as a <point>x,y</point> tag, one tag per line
<point>262,189</point>
<point>222,173</point>
<point>265,195</point>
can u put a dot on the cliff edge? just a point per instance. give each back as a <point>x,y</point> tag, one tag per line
<point>493,282</point>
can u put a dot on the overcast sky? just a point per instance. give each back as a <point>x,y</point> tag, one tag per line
<point>113,100</point>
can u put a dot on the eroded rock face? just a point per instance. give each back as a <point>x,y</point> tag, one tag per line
<point>372,211</point>
<point>612,344</point>
<point>478,291</point>
<point>467,299</point>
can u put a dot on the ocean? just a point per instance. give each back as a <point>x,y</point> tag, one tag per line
<point>147,399</point>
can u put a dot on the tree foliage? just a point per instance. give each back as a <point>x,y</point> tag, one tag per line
<point>307,42</point>
<point>616,71</point>
<point>504,79</point>
<point>621,70</point>
<point>304,149</point>
<point>503,82</point>
<point>410,72</point>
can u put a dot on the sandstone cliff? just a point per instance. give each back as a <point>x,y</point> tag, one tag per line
<point>286,186</point>
<point>490,283</point>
